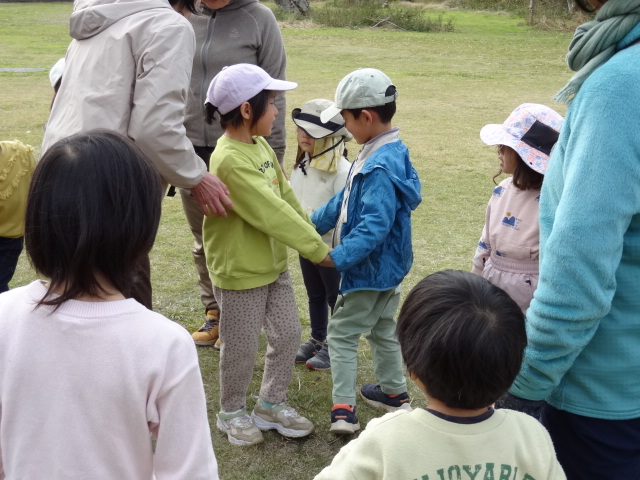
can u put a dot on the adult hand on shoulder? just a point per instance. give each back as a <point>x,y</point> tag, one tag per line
<point>212,195</point>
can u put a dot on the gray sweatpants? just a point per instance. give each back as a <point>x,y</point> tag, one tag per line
<point>194,219</point>
<point>244,313</point>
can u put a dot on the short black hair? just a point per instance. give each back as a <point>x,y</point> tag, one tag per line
<point>385,112</point>
<point>258,103</point>
<point>93,209</point>
<point>463,337</point>
<point>190,5</point>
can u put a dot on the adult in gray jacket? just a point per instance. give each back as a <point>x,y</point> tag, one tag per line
<point>128,69</point>
<point>227,32</point>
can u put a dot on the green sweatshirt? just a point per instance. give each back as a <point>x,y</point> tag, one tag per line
<point>419,445</point>
<point>248,248</point>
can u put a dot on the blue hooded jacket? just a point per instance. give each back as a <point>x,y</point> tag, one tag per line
<point>375,249</point>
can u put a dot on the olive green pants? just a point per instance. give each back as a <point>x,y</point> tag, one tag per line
<point>372,314</point>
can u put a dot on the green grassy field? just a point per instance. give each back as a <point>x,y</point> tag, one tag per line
<point>450,85</point>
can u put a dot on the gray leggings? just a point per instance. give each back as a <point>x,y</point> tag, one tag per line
<point>244,313</point>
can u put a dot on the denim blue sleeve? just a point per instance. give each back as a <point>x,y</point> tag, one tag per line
<point>325,217</point>
<point>375,210</point>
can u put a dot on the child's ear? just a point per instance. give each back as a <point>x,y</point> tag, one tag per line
<point>245,110</point>
<point>369,116</point>
<point>418,382</point>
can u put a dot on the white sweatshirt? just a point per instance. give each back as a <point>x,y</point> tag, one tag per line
<point>511,226</point>
<point>420,445</point>
<point>83,389</point>
<point>317,187</point>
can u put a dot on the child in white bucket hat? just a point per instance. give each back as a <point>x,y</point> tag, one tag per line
<point>507,253</point>
<point>320,171</point>
<point>247,257</point>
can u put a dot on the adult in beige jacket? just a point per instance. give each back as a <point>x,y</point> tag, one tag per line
<point>128,69</point>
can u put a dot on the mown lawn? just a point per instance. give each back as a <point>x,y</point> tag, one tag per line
<point>450,85</point>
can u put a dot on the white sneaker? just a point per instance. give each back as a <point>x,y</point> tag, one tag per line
<point>282,418</point>
<point>239,428</point>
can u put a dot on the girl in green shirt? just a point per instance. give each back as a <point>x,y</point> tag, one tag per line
<point>247,256</point>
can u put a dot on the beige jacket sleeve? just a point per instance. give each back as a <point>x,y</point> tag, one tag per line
<point>158,106</point>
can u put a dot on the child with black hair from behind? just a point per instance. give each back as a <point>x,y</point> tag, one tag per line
<point>462,340</point>
<point>88,378</point>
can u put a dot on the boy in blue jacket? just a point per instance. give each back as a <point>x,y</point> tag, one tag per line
<point>371,246</point>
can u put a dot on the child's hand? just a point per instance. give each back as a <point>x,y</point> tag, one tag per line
<point>327,262</point>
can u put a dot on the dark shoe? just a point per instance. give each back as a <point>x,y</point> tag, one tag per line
<point>375,397</point>
<point>308,349</point>
<point>344,420</point>
<point>321,361</point>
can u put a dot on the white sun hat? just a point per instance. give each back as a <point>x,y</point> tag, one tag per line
<point>308,119</point>
<point>531,130</point>
<point>55,74</point>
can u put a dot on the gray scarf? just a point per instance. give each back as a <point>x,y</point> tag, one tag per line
<point>595,42</point>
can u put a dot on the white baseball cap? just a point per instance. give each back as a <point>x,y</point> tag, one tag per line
<point>55,73</point>
<point>239,83</point>
<point>362,88</point>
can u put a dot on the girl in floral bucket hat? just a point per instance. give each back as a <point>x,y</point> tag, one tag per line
<point>320,171</point>
<point>507,253</point>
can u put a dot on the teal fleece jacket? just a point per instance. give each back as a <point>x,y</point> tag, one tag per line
<point>248,247</point>
<point>583,325</point>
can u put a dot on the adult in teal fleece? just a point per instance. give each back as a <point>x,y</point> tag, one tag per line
<point>375,248</point>
<point>583,324</point>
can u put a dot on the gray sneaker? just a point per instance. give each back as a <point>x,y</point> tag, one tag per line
<point>321,360</point>
<point>239,428</point>
<point>282,418</point>
<point>308,349</point>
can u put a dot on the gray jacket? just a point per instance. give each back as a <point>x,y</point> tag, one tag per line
<point>244,31</point>
<point>128,69</point>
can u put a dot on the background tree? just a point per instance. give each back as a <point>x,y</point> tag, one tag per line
<point>298,6</point>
